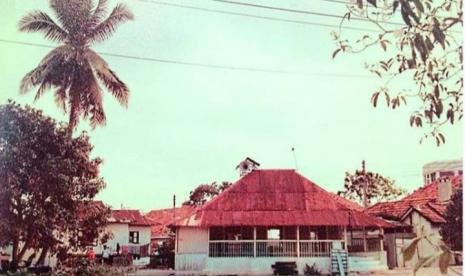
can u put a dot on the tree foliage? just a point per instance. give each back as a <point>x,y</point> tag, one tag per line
<point>452,230</point>
<point>426,48</point>
<point>73,69</point>
<point>205,192</point>
<point>441,252</point>
<point>378,187</point>
<point>47,185</point>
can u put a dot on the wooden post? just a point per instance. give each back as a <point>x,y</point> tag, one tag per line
<point>298,242</point>
<point>345,238</point>
<point>364,239</point>
<point>255,242</point>
<point>176,233</point>
<point>381,232</point>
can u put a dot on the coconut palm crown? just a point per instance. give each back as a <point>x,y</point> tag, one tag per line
<point>75,72</point>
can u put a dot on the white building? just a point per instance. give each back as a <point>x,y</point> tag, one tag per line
<point>423,210</point>
<point>131,232</point>
<point>272,216</point>
<point>435,170</point>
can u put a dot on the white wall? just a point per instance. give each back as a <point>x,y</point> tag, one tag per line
<point>144,234</point>
<point>260,266</point>
<point>192,255</point>
<point>424,247</point>
<point>257,266</point>
<point>192,240</point>
<point>120,233</point>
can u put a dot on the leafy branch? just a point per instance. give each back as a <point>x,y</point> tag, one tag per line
<point>424,47</point>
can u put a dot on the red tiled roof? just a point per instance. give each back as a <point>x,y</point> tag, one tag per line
<point>430,191</point>
<point>160,219</point>
<point>423,200</point>
<point>131,217</point>
<point>278,197</point>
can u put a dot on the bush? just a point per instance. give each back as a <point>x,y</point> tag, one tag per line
<point>82,267</point>
<point>312,270</point>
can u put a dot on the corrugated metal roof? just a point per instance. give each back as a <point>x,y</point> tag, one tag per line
<point>278,197</point>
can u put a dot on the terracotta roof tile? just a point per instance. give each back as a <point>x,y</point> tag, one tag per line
<point>161,218</point>
<point>132,217</point>
<point>424,200</point>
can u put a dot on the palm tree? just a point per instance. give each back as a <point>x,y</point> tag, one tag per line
<point>73,69</point>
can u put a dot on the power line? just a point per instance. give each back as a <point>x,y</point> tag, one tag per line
<point>300,11</point>
<point>257,16</point>
<point>337,1</point>
<point>205,65</point>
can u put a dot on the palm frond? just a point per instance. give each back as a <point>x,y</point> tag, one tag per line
<point>51,66</point>
<point>72,14</point>
<point>61,97</point>
<point>99,12</point>
<point>116,87</point>
<point>74,103</point>
<point>38,21</point>
<point>106,28</point>
<point>30,80</point>
<point>45,85</point>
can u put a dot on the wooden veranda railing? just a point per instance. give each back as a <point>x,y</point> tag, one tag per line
<point>271,248</point>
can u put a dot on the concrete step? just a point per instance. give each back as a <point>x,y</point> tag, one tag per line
<point>379,267</point>
<point>361,259</point>
<point>365,264</point>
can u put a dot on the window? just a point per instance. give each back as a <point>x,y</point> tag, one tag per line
<point>446,174</point>
<point>133,236</point>
<point>231,233</point>
<point>273,234</point>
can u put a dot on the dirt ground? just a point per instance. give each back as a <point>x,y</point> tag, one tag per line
<point>430,271</point>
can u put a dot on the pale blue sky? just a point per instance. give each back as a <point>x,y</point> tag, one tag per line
<point>188,125</point>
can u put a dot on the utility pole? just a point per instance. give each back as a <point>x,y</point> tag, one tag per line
<point>365,203</point>
<point>365,185</point>
<point>174,208</point>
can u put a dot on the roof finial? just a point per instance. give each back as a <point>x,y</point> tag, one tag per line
<point>295,159</point>
<point>247,165</point>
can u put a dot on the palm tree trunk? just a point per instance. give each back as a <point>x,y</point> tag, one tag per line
<point>43,255</point>
<point>14,255</point>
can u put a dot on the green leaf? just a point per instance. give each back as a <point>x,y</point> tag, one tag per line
<point>405,17</point>
<point>403,99</point>
<point>419,7</point>
<point>335,53</point>
<point>383,44</point>
<point>374,98</point>
<point>444,260</point>
<point>412,120</point>
<point>409,251</point>
<point>442,138</point>
<point>423,262</point>
<point>395,4</point>
<point>438,108</point>
<point>388,99</point>
<point>436,91</point>
<point>450,116</point>
<point>438,34</point>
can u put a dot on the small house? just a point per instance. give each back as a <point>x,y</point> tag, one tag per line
<point>130,232</point>
<point>423,210</point>
<point>274,216</point>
